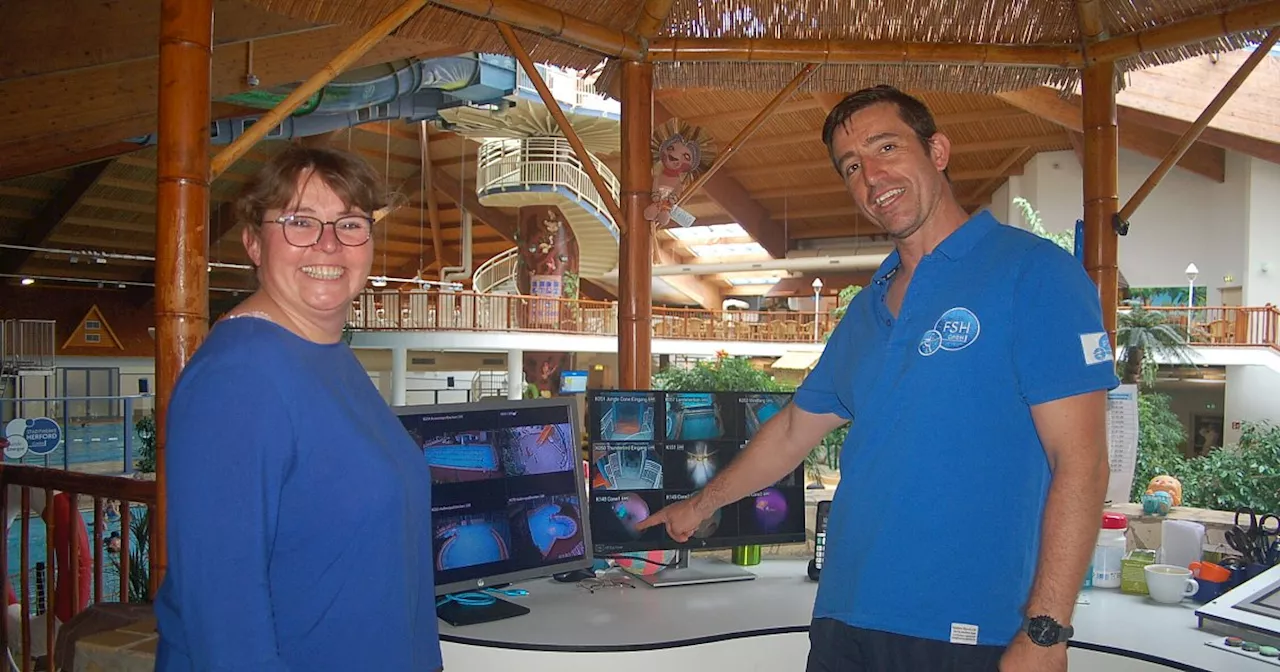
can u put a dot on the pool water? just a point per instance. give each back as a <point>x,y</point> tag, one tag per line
<point>37,549</point>
<point>86,443</point>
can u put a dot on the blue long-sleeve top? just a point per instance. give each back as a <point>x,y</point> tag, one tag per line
<point>299,528</point>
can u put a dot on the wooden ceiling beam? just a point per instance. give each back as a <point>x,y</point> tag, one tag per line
<point>55,211</point>
<point>1259,149</point>
<point>773,50</point>
<point>801,105</point>
<point>1255,16</point>
<point>1045,103</point>
<point>64,131</point>
<point>105,33</point>
<point>730,195</point>
<point>505,224</point>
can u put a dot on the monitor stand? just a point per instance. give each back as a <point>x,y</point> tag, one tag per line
<point>687,571</point>
<point>458,613</point>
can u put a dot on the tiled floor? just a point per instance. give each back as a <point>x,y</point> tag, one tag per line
<point>131,648</point>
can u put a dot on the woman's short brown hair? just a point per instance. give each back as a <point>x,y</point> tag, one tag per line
<point>275,186</point>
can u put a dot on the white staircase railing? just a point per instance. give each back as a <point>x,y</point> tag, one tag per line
<point>496,270</point>
<point>520,162</point>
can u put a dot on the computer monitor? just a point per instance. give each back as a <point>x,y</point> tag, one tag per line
<point>573,382</point>
<point>507,490</point>
<point>652,447</point>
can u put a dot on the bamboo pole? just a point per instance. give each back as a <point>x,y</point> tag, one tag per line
<point>1258,16</point>
<point>588,161</point>
<point>748,130</point>
<point>1101,184</point>
<point>335,67</point>
<point>552,23</point>
<point>652,16</point>
<point>635,257</point>
<point>433,199</point>
<point>182,219</point>
<point>1193,132</point>
<point>692,50</point>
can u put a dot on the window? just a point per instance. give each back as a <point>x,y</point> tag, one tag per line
<point>727,250</point>
<point>708,232</point>
<point>753,280</point>
<point>93,338</point>
<point>92,325</point>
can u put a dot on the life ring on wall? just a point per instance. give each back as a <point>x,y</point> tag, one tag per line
<point>68,525</point>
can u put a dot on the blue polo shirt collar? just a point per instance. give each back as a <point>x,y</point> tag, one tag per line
<point>967,236</point>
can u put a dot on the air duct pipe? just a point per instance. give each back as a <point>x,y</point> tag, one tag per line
<point>463,272</point>
<point>857,262</point>
<point>413,92</point>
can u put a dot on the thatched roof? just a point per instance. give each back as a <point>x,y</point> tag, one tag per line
<point>902,32</point>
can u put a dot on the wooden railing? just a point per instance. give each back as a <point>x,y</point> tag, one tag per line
<point>38,592</point>
<point>392,310</point>
<point>1226,325</point>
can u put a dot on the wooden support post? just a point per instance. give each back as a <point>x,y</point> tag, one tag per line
<point>588,161</point>
<point>1101,184</point>
<point>182,219</point>
<point>745,134</point>
<point>341,62</point>
<point>635,254</point>
<point>1192,134</point>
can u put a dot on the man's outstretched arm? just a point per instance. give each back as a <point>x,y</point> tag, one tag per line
<point>777,448</point>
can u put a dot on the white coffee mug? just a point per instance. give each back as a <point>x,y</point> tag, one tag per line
<point>1169,584</point>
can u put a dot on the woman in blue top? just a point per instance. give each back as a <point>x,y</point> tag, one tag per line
<point>299,508</point>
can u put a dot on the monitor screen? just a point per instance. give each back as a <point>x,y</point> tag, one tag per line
<point>651,447</point>
<point>573,382</point>
<point>507,489</point>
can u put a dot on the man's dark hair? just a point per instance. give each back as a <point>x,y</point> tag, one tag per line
<point>912,112</point>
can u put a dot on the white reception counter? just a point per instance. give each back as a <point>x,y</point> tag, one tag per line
<point>761,625</point>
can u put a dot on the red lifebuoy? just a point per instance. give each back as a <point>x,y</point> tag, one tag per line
<point>67,522</point>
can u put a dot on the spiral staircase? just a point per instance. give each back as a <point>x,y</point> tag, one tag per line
<point>524,161</point>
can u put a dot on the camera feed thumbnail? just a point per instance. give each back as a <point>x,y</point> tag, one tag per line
<point>625,467</point>
<point>772,511</point>
<point>551,525</point>
<point>721,524</point>
<point>625,417</point>
<point>471,539</point>
<point>536,449</point>
<point>759,408</point>
<point>462,456</point>
<point>690,466</point>
<point>614,516</point>
<point>694,416</point>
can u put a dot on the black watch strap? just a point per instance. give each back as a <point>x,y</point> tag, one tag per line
<point>1044,631</point>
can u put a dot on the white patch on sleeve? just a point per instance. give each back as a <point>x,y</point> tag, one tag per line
<point>1096,348</point>
<point>963,633</point>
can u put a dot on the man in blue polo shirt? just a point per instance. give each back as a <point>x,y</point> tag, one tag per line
<point>975,370</point>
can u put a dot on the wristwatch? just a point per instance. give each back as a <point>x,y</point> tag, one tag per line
<point>1045,631</point>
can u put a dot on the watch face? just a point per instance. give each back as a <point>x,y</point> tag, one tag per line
<point>1043,630</point>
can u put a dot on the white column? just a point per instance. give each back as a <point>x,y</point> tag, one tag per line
<point>515,374</point>
<point>399,367</point>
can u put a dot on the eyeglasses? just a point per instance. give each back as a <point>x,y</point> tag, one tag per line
<point>304,231</point>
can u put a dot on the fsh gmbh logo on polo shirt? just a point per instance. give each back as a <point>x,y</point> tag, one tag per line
<point>957,329</point>
<point>1096,347</point>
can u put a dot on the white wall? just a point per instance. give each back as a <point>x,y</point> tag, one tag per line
<point>1252,392</point>
<point>1188,218</point>
<point>426,387</point>
<point>1263,286</point>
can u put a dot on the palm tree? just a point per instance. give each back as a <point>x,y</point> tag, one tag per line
<point>1142,332</point>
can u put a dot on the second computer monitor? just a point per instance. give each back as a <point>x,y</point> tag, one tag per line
<point>650,448</point>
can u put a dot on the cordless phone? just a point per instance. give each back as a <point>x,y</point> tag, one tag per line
<point>819,539</point>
